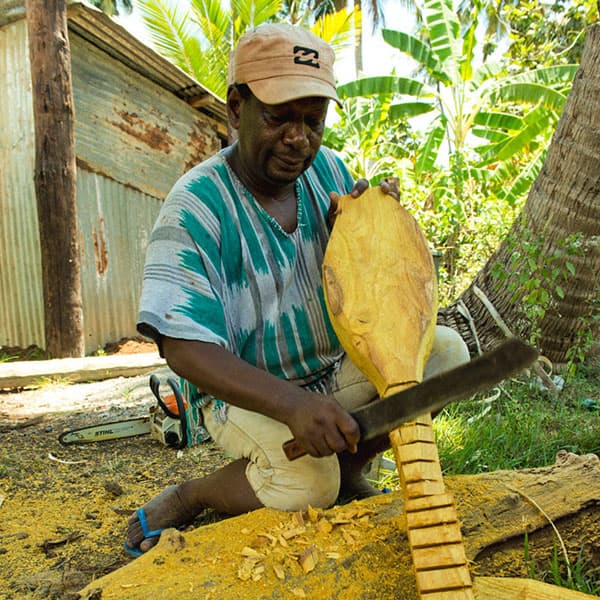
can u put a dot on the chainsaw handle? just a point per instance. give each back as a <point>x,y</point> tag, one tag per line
<point>181,409</point>
<point>155,387</point>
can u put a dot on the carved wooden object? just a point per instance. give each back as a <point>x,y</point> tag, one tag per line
<point>381,293</point>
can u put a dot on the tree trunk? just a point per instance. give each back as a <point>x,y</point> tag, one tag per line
<point>560,224</point>
<point>55,173</point>
<point>361,550</point>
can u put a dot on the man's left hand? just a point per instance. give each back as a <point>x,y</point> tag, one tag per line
<point>389,185</point>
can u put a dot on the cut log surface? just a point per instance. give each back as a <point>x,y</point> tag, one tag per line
<point>510,588</point>
<point>364,551</point>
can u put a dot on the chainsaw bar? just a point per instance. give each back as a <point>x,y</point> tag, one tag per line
<point>106,431</point>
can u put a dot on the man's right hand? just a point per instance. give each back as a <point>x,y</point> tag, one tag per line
<point>322,427</point>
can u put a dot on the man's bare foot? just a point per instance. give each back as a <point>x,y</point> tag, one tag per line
<point>167,509</point>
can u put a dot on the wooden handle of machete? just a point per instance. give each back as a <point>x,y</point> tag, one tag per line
<point>293,450</point>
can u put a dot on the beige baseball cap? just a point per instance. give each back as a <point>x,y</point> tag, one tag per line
<point>281,62</point>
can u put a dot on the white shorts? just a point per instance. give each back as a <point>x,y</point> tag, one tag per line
<point>293,485</point>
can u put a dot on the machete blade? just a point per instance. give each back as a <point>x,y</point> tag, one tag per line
<point>478,375</point>
<point>386,414</point>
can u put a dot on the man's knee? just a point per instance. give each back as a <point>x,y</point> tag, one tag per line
<point>449,351</point>
<point>311,481</point>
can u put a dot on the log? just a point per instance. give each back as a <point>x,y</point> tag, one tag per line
<point>364,551</point>
<point>33,373</point>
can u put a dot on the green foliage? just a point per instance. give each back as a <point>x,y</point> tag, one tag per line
<point>199,35</point>
<point>113,7</point>
<point>533,275</point>
<point>466,175</point>
<point>518,426</point>
<point>548,33</point>
<point>561,572</point>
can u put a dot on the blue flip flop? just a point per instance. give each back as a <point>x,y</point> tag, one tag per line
<point>141,514</point>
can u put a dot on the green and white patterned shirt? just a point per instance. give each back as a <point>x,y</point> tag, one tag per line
<point>220,269</point>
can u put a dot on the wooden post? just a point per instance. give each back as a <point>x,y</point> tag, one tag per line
<point>432,525</point>
<point>55,175</point>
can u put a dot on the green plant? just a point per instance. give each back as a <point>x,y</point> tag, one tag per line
<point>585,338</point>
<point>533,276</point>
<point>52,381</point>
<point>517,426</point>
<point>198,36</point>
<point>562,572</point>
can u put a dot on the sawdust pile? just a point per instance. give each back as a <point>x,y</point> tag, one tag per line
<point>63,513</point>
<point>360,550</point>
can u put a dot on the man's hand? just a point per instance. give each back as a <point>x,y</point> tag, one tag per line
<point>322,427</point>
<point>389,185</point>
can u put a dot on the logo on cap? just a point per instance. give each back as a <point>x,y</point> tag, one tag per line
<point>306,56</point>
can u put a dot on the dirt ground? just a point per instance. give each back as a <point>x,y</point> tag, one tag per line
<point>63,509</point>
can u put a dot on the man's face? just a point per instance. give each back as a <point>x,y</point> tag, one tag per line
<point>278,142</point>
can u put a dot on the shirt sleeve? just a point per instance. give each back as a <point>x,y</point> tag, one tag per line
<point>182,294</point>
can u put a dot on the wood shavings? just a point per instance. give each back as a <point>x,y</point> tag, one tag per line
<point>251,552</point>
<point>271,538</point>
<point>251,568</point>
<point>348,537</point>
<point>292,533</point>
<point>65,462</point>
<point>308,560</point>
<point>279,571</point>
<point>324,526</point>
<point>299,592</point>
<point>313,514</point>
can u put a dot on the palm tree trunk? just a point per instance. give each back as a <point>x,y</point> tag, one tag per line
<point>564,201</point>
<point>55,173</point>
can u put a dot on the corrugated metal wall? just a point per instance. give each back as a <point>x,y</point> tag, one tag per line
<point>130,129</point>
<point>133,140</point>
<point>21,310</point>
<point>115,222</point>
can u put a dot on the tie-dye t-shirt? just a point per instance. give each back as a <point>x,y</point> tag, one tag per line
<point>220,269</point>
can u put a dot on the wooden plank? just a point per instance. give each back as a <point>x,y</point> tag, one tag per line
<point>90,368</point>
<point>424,419</point>
<point>464,594</point>
<point>428,502</point>
<point>451,578</point>
<point>419,451</point>
<point>429,518</point>
<point>433,536</point>
<point>421,470</point>
<point>449,555</point>
<point>424,488</point>
<point>416,432</point>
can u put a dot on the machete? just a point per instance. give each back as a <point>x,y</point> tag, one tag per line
<point>386,414</point>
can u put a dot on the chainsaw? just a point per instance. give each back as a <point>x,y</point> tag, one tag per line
<point>165,423</point>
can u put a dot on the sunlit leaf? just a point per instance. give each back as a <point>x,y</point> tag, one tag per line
<point>375,86</point>
<point>428,153</point>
